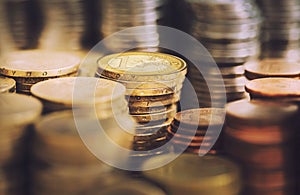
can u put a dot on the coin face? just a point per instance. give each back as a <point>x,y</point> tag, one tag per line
<point>7,84</point>
<point>140,64</point>
<point>37,63</point>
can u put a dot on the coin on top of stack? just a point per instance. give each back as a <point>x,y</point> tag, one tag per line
<point>195,128</point>
<point>7,85</point>
<point>153,84</point>
<point>192,174</point>
<point>272,67</point>
<point>261,136</point>
<point>32,66</point>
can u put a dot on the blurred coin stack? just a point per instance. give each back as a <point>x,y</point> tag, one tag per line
<point>7,85</point>
<point>16,113</point>
<point>229,30</point>
<point>120,15</point>
<point>65,24</point>
<point>271,67</point>
<point>281,30</point>
<point>32,66</point>
<point>260,135</point>
<point>195,128</point>
<point>191,174</point>
<point>153,83</point>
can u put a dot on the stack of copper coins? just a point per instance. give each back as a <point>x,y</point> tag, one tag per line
<point>16,113</point>
<point>272,68</point>
<point>281,30</point>
<point>153,84</point>
<point>7,85</point>
<point>260,135</point>
<point>191,174</point>
<point>197,130</point>
<point>32,66</point>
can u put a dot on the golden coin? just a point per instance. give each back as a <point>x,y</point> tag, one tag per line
<point>149,118</point>
<point>150,103</point>
<point>7,85</point>
<point>17,110</point>
<point>150,110</point>
<point>272,68</point>
<point>274,87</point>
<point>38,63</point>
<point>141,66</point>
<point>79,91</point>
<point>192,174</point>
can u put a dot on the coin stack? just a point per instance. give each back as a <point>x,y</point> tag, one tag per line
<point>195,128</point>
<point>191,174</point>
<point>229,30</point>
<point>32,66</point>
<point>281,29</point>
<point>7,85</point>
<point>271,67</point>
<point>16,113</point>
<point>153,83</point>
<point>260,135</point>
<point>119,15</point>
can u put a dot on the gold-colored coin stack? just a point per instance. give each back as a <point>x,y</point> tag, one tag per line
<point>7,85</point>
<point>272,68</point>
<point>32,66</point>
<point>195,128</point>
<point>260,135</point>
<point>153,84</point>
<point>191,174</point>
<point>16,113</point>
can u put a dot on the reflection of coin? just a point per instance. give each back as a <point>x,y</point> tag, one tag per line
<point>7,85</point>
<point>37,63</point>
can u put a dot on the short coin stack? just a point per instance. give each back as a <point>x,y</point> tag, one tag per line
<point>16,113</point>
<point>281,29</point>
<point>153,83</point>
<point>260,135</point>
<point>195,128</point>
<point>269,67</point>
<point>229,30</point>
<point>7,85</point>
<point>32,66</point>
<point>191,174</point>
<point>119,15</point>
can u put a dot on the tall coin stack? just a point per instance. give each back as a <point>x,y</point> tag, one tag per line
<point>260,135</point>
<point>16,113</point>
<point>32,66</point>
<point>190,130</point>
<point>281,29</point>
<point>153,83</point>
<point>194,175</point>
<point>120,15</point>
<point>229,30</point>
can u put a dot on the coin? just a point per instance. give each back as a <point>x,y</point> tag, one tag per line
<point>7,85</point>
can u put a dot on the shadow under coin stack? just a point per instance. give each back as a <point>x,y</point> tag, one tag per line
<point>16,113</point>
<point>119,15</point>
<point>269,67</point>
<point>229,30</point>
<point>153,83</point>
<point>281,29</point>
<point>32,66</point>
<point>194,175</point>
<point>7,85</point>
<point>261,136</point>
<point>197,130</point>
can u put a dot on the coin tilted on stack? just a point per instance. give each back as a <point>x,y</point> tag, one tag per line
<point>119,15</point>
<point>16,113</point>
<point>190,130</point>
<point>261,136</point>
<point>271,67</point>
<point>32,66</point>
<point>7,85</point>
<point>281,29</point>
<point>191,174</point>
<point>229,30</point>
<point>153,83</point>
